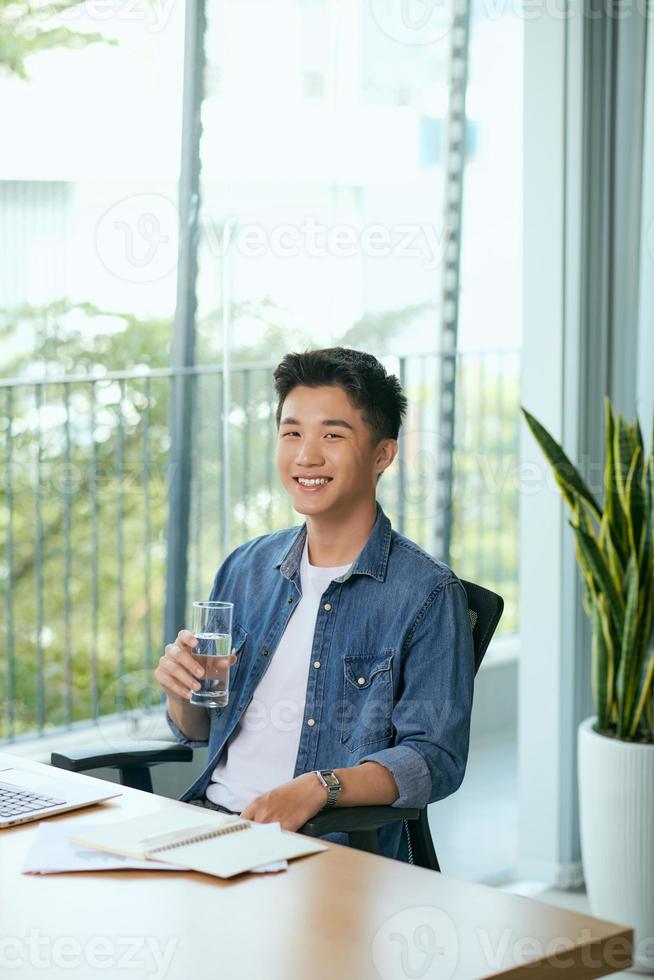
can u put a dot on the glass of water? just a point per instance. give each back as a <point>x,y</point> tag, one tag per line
<point>212,625</point>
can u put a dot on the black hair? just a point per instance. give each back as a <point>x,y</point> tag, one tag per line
<point>364,379</point>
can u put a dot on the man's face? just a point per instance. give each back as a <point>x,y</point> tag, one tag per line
<point>322,435</point>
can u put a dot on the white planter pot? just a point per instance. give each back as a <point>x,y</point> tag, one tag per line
<point>616,802</point>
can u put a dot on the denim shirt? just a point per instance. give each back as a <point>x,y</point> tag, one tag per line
<point>392,664</point>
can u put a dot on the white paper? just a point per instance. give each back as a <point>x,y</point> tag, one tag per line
<point>52,852</point>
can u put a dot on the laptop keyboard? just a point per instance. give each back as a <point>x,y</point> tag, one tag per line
<point>15,801</point>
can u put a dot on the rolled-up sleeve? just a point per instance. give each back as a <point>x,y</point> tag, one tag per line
<point>184,739</point>
<point>431,716</point>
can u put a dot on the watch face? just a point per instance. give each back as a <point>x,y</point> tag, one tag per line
<point>330,779</point>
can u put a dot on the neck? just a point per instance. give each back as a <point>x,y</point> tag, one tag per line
<point>337,540</point>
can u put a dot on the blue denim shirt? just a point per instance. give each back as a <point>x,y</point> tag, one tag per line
<point>394,645</point>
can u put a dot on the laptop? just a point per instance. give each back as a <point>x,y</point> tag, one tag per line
<point>27,795</point>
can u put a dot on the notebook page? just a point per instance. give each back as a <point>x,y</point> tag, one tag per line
<point>228,854</point>
<point>133,837</point>
<point>234,853</point>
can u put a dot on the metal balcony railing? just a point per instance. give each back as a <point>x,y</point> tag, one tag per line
<point>83,509</point>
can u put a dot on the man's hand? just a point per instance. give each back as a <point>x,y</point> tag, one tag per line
<point>177,672</point>
<point>290,804</point>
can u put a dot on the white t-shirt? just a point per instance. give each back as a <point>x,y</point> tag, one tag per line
<point>262,751</point>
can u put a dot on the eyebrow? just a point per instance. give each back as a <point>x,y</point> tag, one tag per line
<point>330,422</point>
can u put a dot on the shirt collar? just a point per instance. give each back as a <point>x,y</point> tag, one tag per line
<point>371,560</point>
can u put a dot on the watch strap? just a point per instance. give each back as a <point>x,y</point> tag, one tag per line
<point>333,791</point>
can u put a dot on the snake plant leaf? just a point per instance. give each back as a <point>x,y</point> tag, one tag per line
<point>612,504</point>
<point>565,472</point>
<point>645,555</point>
<point>606,544</point>
<point>629,654</point>
<point>594,561</point>
<point>645,699</point>
<point>602,665</point>
<point>637,433</point>
<point>635,502</point>
<point>624,447</point>
<point>615,555</point>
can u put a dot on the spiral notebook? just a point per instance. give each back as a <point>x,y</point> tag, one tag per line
<point>216,844</point>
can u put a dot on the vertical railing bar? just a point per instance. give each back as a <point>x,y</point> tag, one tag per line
<point>9,496</point>
<point>182,353</point>
<point>481,491</point>
<point>147,621</point>
<point>226,453</point>
<point>227,396</point>
<point>462,428</point>
<point>95,578</point>
<point>269,454</point>
<point>120,469</point>
<point>220,481</point>
<point>422,448</point>
<point>454,170</point>
<point>401,472</point>
<point>68,564</point>
<point>196,485</point>
<point>498,493</point>
<point>246,451</point>
<point>38,568</point>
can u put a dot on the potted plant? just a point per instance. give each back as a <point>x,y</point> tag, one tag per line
<point>615,553</point>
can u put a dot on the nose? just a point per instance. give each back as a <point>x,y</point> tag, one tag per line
<point>309,452</point>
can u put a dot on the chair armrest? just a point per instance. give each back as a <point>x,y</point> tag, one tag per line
<point>348,819</point>
<point>119,755</point>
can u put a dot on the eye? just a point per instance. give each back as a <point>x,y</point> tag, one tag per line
<point>289,434</point>
<point>334,435</point>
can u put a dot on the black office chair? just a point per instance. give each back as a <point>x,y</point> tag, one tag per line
<point>361,823</point>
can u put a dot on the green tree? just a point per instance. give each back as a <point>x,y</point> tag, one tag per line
<point>27,28</point>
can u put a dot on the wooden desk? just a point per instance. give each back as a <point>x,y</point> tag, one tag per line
<point>338,914</point>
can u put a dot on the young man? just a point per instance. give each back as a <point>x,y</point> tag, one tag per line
<point>352,678</point>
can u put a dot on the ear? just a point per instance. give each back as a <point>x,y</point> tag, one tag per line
<point>386,452</point>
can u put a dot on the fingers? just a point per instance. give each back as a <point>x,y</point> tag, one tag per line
<point>187,639</point>
<point>178,672</point>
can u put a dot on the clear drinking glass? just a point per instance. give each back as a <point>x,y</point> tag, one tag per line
<point>212,625</point>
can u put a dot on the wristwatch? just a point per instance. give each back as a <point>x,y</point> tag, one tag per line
<point>332,784</point>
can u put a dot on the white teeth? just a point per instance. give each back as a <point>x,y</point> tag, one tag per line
<point>312,483</point>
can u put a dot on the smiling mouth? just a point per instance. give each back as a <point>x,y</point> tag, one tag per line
<point>312,486</point>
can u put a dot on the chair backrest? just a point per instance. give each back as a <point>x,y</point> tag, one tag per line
<point>485,609</point>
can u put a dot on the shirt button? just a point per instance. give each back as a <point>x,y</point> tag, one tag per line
<point>316,664</point>
<point>361,680</point>
<point>266,652</point>
<point>290,598</point>
<point>311,722</point>
<point>327,607</point>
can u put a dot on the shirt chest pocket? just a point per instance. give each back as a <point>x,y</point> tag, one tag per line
<point>367,698</point>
